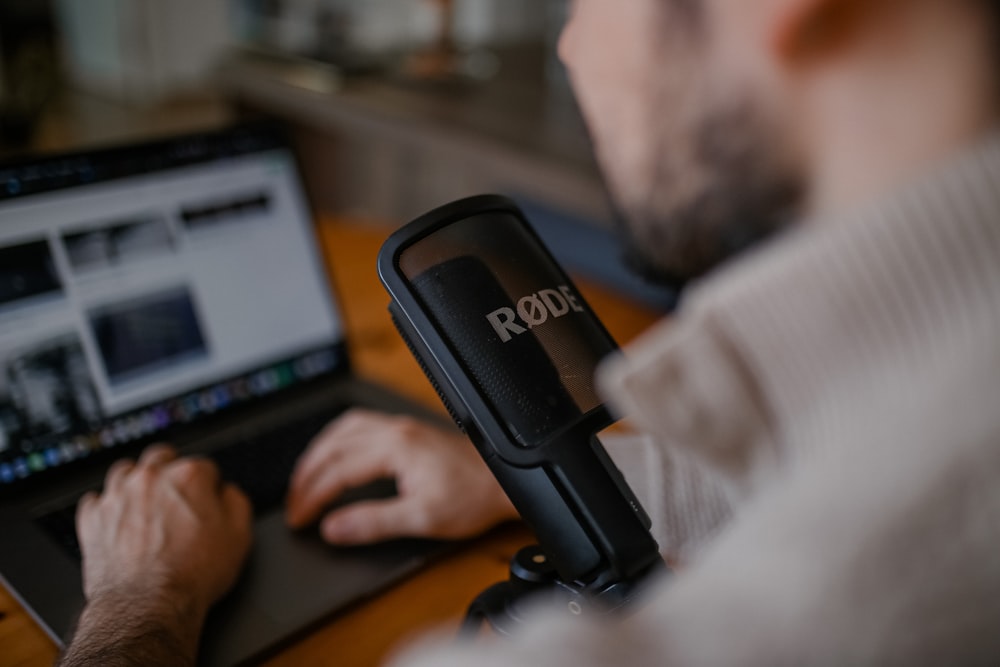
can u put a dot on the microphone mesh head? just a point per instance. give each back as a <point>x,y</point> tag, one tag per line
<point>513,319</point>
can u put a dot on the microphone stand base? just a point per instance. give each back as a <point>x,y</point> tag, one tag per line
<point>532,580</point>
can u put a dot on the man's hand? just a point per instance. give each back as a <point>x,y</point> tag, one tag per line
<point>164,531</point>
<point>445,489</point>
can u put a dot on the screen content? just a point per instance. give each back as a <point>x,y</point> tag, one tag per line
<point>137,302</point>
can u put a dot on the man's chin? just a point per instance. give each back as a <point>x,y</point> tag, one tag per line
<point>640,264</point>
<point>671,263</point>
<point>676,252</point>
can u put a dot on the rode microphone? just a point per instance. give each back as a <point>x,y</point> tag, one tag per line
<point>511,347</point>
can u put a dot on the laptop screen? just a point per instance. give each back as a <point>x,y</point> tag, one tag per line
<point>146,287</point>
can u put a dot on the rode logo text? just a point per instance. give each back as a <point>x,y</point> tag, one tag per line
<point>532,311</point>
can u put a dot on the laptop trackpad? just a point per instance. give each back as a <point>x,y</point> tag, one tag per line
<point>293,581</point>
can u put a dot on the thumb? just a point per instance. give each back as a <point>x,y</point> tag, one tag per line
<point>370,521</point>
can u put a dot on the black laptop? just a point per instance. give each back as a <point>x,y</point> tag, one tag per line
<point>174,291</point>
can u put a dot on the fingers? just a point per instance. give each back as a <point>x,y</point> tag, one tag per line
<point>86,500</point>
<point>194,471</point>
<point>114,481</point>
<point>328,445</point>
<point>311,486</point>
<point>84,508</point>
<point>158,454</point>
<point>236,502</point>
<point>152,457</point>
<point>328,481</point>
<point>239,510</point>
<point>193,476</point>
<point>373,521</point>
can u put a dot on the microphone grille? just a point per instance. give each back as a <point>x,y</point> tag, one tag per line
<point>525,354</point>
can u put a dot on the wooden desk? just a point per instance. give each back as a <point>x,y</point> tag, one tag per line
<point>438,595</point>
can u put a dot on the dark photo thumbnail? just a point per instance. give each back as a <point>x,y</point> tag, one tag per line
<point>109,245</point>
<point>46,394</point>
<point>27,270</point>
<point>231,209</point>
<point>148,335</point>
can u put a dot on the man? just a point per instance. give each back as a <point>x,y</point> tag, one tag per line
<point>824,427</point>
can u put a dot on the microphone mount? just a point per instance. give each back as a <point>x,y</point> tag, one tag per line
<point>511,347</point>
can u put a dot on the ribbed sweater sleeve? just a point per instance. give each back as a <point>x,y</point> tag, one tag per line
<point>686,503</point>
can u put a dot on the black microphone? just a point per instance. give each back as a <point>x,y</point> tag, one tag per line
<point>511,347</point>
<point>501,353</point>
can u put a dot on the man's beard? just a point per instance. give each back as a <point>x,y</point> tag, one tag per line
<point>720,188</point>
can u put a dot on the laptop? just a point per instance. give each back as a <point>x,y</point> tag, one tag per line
<point>175,291</point>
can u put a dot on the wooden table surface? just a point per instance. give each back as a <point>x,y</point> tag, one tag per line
<point>438,595</point>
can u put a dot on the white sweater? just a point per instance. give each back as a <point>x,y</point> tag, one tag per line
<point>824,450</point>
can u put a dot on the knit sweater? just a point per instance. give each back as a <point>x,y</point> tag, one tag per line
<point>823,450</point>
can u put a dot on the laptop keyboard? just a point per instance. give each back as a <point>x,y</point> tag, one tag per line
<point>261,466</point>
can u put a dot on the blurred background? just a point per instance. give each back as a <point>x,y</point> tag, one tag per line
<point>396,106</point>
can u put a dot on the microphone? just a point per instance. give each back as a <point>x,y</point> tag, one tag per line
<point>503,357</point>
<point>511,347</point>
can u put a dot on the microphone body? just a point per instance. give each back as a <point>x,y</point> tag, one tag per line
<point>511,347</point>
